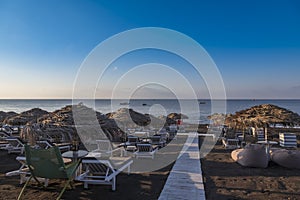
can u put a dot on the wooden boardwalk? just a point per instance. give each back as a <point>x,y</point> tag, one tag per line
<point>185,179</point>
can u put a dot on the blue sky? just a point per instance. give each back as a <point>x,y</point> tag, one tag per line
<point>255,44</point>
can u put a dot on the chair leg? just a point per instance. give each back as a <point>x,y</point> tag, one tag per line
<point>22,178</point>
<point>86,185</point>
<point>22,191</point>
<point>71,184</point>
<point>39,183</point>
<point>63,190</point>
<point>128,170</point>
<point>114,184</point>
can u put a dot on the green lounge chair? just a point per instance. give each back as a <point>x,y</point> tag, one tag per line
<point>49,164</point>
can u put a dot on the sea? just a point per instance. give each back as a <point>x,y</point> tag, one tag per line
<point>197,111</point>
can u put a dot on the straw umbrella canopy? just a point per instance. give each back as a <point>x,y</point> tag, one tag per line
<point>174,118</point>
<point>263,116</point>
<point>130,118</point>
<point>217,118</point>
<point>177,116</point>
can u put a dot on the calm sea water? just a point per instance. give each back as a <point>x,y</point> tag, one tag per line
<point>154,107</point>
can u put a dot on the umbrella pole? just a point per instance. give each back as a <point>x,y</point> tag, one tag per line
<point>244,135</point>
<point>266,133</point>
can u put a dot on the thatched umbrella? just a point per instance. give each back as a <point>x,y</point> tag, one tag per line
<point>177,116</point>
<point>263,116</point>
<point>129,117</point>
<point>217,118</point>
<point>29,116</point>
<point>173,118</point>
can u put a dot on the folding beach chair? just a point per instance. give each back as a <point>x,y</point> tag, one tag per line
<point>103,172</point>
<point>24,172</point>
<point>48,164</point>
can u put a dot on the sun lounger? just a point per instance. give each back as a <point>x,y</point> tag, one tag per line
<point>230,143</point>
<point>131,143</point>
<point>158,140</point>
<point>4,135</point>
<point>172,132</point>
<point>145,151</point>
<point>23,171</point>
<point>102,172</point>
<point>15,145</point>
<point>9,130</point>
<point>3,143</point>
<point>45,144</point>
<point>141,134</point>
<point>260,135</point>
<point>105,148</point>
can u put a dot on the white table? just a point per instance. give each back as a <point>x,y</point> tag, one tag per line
<point>74,156</point>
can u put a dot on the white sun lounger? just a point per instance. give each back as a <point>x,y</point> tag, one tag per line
<point>105,148</point>
<point>230,143</point>
<point>145,151</point>
<point>45,144</point>
<point>102,172</point>
<point>15,145</point>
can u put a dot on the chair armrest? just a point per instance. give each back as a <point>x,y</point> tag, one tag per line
<point>120,149</point>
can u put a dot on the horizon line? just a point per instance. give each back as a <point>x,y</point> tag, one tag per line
<point>204,99</point>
